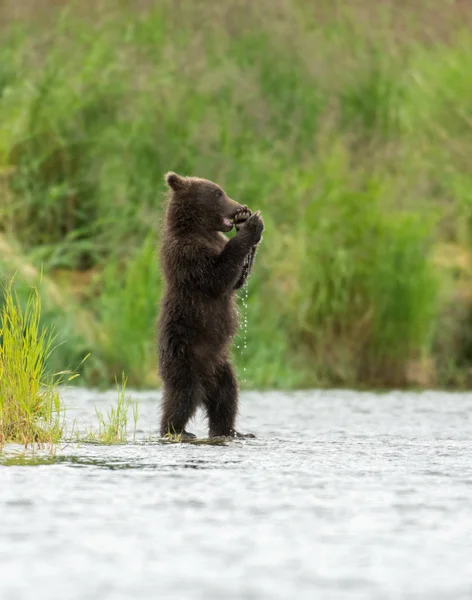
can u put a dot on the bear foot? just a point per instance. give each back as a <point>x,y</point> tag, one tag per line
<point>183,435</point>
<point>232,434</point>
<point>236,434</point>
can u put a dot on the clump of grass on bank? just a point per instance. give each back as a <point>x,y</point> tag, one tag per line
<point>30,406</point>
<point>31,410</point>
<point>113,426</point>
<point>348,126</point>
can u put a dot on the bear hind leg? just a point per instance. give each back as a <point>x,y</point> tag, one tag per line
<point>180,401</point>
<point>221,403</point>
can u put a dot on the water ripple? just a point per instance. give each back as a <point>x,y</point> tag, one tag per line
<point>341,495</point>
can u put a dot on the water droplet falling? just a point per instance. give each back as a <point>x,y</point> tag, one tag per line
<point>245,301</point>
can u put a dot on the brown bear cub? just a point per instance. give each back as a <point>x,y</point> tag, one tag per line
<point>198,318</point>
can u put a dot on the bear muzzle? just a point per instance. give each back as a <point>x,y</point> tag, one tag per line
<point>233,208</point>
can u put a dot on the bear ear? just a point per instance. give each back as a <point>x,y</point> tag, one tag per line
<point>175,182</point>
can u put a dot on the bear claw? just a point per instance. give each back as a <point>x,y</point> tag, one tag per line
<point>241,217</point>
<point>254,225</point>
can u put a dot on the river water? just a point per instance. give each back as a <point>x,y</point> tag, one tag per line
<point>342,495</point>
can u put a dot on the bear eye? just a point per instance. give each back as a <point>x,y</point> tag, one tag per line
<point>219,194</point>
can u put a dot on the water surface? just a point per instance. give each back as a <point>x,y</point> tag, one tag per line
<point>342,495</point>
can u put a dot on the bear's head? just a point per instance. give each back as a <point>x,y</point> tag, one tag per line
<point>199,204</point>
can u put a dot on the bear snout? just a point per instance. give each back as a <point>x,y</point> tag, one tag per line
<point>233,208</point>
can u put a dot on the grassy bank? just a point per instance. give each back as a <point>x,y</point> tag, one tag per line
<point>30,406</point>
<point>32,412</point>
<point>348,127</point>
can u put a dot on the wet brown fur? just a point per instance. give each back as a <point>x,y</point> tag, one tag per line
<point>202,268</point>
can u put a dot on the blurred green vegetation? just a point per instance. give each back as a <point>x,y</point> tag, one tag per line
<point>348,125</point>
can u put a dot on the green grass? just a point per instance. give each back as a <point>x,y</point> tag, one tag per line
<point>126,311</point>
<point>31,411</point>
<point>113,424</point>
<point>348,126</point>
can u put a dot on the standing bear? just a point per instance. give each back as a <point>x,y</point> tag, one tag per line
<point>198,318</point>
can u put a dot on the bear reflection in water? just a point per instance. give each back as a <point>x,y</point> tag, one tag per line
<point>198,317</point>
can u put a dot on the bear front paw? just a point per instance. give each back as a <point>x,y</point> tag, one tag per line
<point>241,217</point>
<point>254,226</point>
